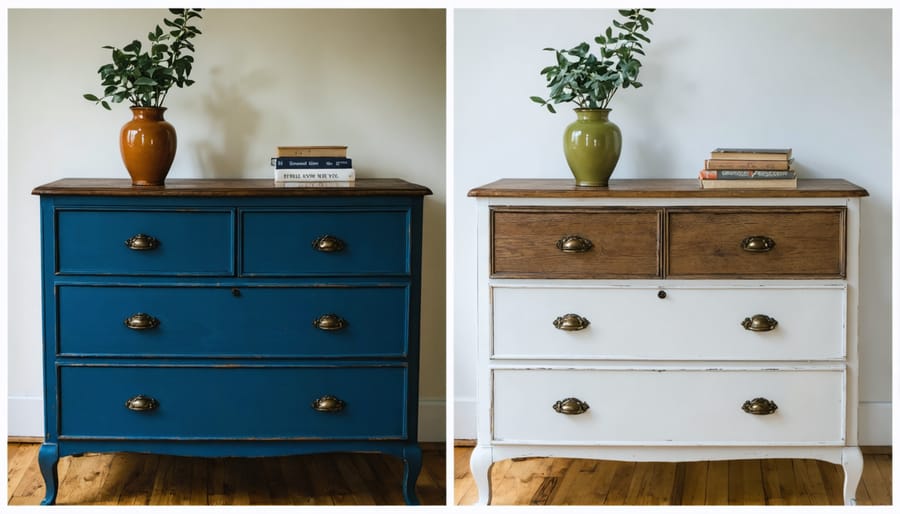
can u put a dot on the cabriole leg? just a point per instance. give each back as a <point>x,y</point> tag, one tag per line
<point>852,461</point>
<point>48,457</point>
<point>412,465</point>
<point>481,462</point>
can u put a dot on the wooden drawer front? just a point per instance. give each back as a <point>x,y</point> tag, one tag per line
<point>225,321</point>
<point>205,402</point>
<point>698,324</point>
<point>809,243</point>
<point>669,406</point>
<point>623,243</point>
<point>187,242</point>
<point>282,243</point>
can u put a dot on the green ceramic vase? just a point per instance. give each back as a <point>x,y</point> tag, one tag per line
<point>592,145</point>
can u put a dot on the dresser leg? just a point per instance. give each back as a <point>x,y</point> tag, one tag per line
<point>412,465</point>
<point>481,462</point>
<point>852,461</point>
<point>48,456</point>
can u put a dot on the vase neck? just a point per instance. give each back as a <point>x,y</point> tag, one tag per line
<point>148,113</point>
<point>592,114</point>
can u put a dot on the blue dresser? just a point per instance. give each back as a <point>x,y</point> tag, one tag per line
<point>230,318</point>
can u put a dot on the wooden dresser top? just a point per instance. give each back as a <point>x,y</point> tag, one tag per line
<point>658,188</point>
<point>227,187</point>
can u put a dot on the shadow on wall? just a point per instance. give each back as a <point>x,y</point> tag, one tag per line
<point>233,121</point>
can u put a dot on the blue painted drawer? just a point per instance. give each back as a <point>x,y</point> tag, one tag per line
<point>187,242</point>
<point>241,321</point>
<point>288,243</point>
<point>206,402</point>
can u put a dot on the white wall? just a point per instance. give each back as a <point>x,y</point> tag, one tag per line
<point>818,81</point>
<point>371,79</point>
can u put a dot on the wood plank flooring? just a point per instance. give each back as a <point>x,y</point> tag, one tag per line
<point>136,479</point>
<point>552,481</point>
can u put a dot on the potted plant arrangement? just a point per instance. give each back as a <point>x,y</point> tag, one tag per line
<point>592,143</point>
<point>143,75</point>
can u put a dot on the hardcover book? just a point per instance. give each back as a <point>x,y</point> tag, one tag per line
<point>311,151</point>
<point>746,164</point>
<point>311,162</point>
<point>315,175</point>
<point>761,154</point>
<point>746,174</point>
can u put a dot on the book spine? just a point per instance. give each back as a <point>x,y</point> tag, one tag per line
<point>295,163</point>
<point>311,152</point>
<point>746,174</point>
<point>316,175</point>
<point>741,164</point>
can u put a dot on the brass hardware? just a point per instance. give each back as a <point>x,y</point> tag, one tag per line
<point>571,322</point>
<point>141,321</point>
<point>574,244</point>
<point>758,244</point>
<point>235,291</point>
<point>141,242</point>
<point>759,406</point>
<point>141,403</point>
<point>328,244</point>
<point>759,323</point>
<point>661,295</point>
<point>330,322</point>
<point>571,406</point>
<point>328,403</point>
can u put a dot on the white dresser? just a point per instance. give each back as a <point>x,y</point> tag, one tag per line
<point>657,321</point>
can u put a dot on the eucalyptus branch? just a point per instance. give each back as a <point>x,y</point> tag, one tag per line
<point>591,81</point>
<point>145,78</point>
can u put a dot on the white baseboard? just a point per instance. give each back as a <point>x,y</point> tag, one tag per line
<point>26,418</point>
<point>874,422</point>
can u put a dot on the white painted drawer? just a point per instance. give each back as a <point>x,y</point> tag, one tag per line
<point>685,406</point>
<point>688,324</point>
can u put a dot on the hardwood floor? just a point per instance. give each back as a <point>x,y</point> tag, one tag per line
<point>134,479</point>
<point>552,481</point>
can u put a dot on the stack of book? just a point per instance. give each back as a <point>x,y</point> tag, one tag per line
<point>742,168</point>
<point>313,165</point>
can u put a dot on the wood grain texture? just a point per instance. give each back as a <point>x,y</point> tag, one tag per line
<point>706,243</point>
<point>227,187</point>
<point>625,243</point>
<point>144,479</point>
<point>659,188</point>
<point>557,481</point>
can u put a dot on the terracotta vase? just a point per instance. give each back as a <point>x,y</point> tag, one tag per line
<point>592,145</point>
<point>148,145</point>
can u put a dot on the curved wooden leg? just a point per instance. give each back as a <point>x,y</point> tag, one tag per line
<point>481,462</point>
<point>412,465</point>
<point>48,456</point>
<point>852,462</point>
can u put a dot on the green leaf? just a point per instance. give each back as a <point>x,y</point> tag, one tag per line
<point>144,81</point>
<point>551,109</point>
<point>105,105</point>
<point>91,97</point>
<point>537,99</point>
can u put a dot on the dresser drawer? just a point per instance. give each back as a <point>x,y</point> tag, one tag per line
<point>645,322</point>
<point>667,406</point>
<point>765,242</point>
<point>575,243</point>
<point>149,242</point>
<point>241,321</point>
<point>325,242</point>
<point>206,402</point>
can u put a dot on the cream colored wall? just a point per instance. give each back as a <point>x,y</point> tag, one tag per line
<point>371,79</point>
<point>812,79</point>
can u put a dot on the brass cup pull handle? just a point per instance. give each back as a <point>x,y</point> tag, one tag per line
<point>574,244</point>
<point>571,406</point>
<point>141,242</point>
<point>328,244</point>
<point>759,323</point>
<point>328,403</point>
<point>571,322</point>
<point>759,406</point>
<point>141,321</point>
<point>330,322</point>
<point>141,403</point>
<point>758,244</point>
